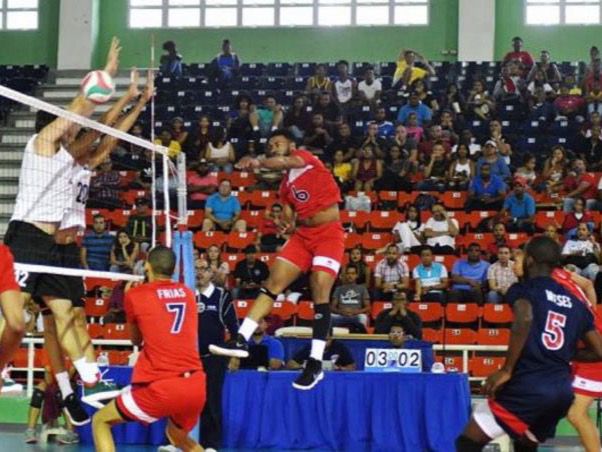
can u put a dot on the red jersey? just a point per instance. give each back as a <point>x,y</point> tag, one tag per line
<point>7,270</point>
<point>309,189</point>
<point>563,278</point>
<point>166,314</point>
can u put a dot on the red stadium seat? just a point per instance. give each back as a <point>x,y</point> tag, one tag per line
<point>96,283</point>
<point>432,335</point>
<point>516,240</point>
<point>257,199</point>
<point>388,196</point>
<point>383,220</point>
<point>204,240</point>
<point>375,241</point>
<point>284,309</point>
<point>96,306</point>
<point>91,212</point>
<point>242,307</point>
<point>267,258</point>
<point>232,259</point>
<point>460,336</point>
<point>483,366</point>
<point>447,260</point>
<point>252,217</point>
<point>545,218</point>
<point>117,331</point>
<point>118,357</point>
<point>130,196</point>
<point>119,218</point>
<point>358,219</point>
<point>305,310</point>
<point>462,312</point>
<point>483,239</point>
<point>352,240</point>
<point>428,312</point>
<point>241,179</point>
<point>195,218</point>
<point>454,200</point>
<point>96,330</point>
<point>493,336</point>
<point>379,306</point>
<point>238,241</point>
<point>497,313</point>
<point>453,363</point>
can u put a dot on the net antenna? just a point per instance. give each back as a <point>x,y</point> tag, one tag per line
<point>153,164</point>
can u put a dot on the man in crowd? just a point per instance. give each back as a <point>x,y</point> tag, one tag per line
<point>222,210</point>
<point>500,275</point>
<point>391,274</point>
<point>351,302</point>
<point>369,89</point>
<point>486,191</point>
<point>520,207</point>
<point>522,57</point>
<point>96,246</point>
<point>407,71</point>
<point>430,278</point>
<point>583,185</point>
<point>250,274</point>
<point>469,277</point>
<point>201,184</point>
<point>423,113</point>
<point>226,64</point>
<point>441,230</point>
<point>398,339</point>
<point>265,351</point>
<point>399,314</point>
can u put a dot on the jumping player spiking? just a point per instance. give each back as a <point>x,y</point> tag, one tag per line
<point>311,198</point>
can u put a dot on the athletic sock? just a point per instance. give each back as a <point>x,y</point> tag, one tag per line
<point>247,328</point>
<point>62,378</point>
<point>321,326</point>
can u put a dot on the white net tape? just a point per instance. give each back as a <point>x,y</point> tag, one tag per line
<point>65,271</point>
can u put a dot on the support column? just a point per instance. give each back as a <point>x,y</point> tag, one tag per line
<point>476,30</point>
<point>78,32</point>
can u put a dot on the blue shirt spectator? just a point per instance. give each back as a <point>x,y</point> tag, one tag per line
<point>520,205</point>
<point>423,113</point>
<point>226,63</point>
<point>490,155</point>
<point>492,187</point>
<point>224,208</point>
<point>264,350</point>
<point>96,246</point>
<point>171,61</point>
<point>470,268</point>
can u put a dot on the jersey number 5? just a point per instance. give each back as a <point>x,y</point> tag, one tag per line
<point>179,309</point>
<point>553,336</point>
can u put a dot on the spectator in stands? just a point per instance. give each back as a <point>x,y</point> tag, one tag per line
<point>124,253</point>
<point>318,83</point>
<point>425,96</point>
<point>397,171</point>
<point>461,169</point>
<point>226,64</point>
<point>593,75</point>
<point>344,88</point>
<point>317,137</point>
<point>250,274</point>
<point>140,224</point>
<point>265,352</point>
<point>267,179</point>
<point>343,141</point>
<point>297,119</point>
<point>356,257</point>
<point>200,185</point>
<point>408,146</point>
<point>220,269</point>
<point>166,139</point>
<point>268,117</point>
<point>510,87</point>
<point>330,111</point>
<point>116,312</point>
<point>520,56</point>
<point>540,108</point>
<point>222,210</point>
<point>374,140</point>
<point>171,60</point>
<point>501,143</point>
<point>399,314</point>
<point>577,216</point>
<point>414,131</point>
<point>527,172</point>
<point>391,274</point>
<point>96,246</point>
<point>448,127</point>
<point>552,231</point>
<point>435,172</point>
<point>497,163</point>
<point>430,278</point>
<point>198,139</point>
<point>547,67</point>
<point>342,172</point>
<point>581,185</point>
<point>408,234</point>
<point>500,276</point>
<point>239,123</point>
<point>177,130</point>
<point>367,170</point>
<point>440,231</point>
<point>408,70</point>
<point>350,304</point>
<point>335,352</point>
<point>539,82</point>
<point>479,103</point>
<point>519,208</point>
<point>469,140</point>
<point>453,100</point>
<point>554,170</point>
<point>590,149</point>
<point>567,104</point>
<point>582,252</point>
<point>220,153</point>
<point>104,187</point>
<point>370,89</point>
<point>128,156</point>
<point>594,120</point>
<point>500,238</point>
<point>435,137</point>
<point>424,114</point>
<point>269,235</point>
<point>594,54</point>
<point>469,277</point>
<point>386,129</point>
<point>486,191</point>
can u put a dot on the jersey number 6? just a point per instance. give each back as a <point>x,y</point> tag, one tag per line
<point>553,336</point>
<point>179,309</point>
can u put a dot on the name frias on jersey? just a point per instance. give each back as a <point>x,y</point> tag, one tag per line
<point>563,301</point>
<point>171,293</point>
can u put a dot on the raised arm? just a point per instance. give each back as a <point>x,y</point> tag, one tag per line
<point>272,163</point>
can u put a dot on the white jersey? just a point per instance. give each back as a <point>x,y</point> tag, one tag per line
<point>44,186</point>
<point>75,214</point>
<point>344,90</point>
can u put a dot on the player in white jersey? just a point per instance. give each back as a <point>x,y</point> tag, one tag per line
<point>44,192</point>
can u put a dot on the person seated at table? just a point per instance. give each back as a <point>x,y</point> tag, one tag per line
<point>399,314</point>
<point>399,339</point>
<point>336,352</point>
<point>265,351</point>
<point>469,277</point>
<point>351,302</point>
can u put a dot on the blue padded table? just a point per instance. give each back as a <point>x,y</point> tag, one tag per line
<point>351,411</point>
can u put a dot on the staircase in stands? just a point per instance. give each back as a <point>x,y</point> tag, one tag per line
<point>60,89</point>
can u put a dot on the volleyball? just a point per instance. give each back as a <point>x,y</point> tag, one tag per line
<point>98,87</point>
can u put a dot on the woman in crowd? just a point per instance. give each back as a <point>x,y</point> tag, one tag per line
<point>220,152</point>
<point>356,257</point>
<point>367,170</point>
<point>124,253</point>
<point>220,268</point>
<point>461,169</point>
<point>408,234</point>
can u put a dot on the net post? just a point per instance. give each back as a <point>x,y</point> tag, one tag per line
<point>152,139</point>
<point>182,191</point>
<point>167,206</point>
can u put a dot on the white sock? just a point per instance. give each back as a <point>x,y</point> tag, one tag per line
<point>317,349</point>
<point>256,128</point>
<point>62,378</point>
<point>88,372</point>
<point>247,328</point>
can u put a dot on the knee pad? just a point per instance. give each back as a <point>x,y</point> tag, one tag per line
<point>465,444</point>
<point>268,293</point>
<point>37,398</point>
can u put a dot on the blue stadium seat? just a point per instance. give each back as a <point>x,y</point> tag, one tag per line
<point>254,69</point>
<point>279,69</point>
<point>305,69</point>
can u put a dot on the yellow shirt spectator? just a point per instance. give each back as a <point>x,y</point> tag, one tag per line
<point>174,148</point>
<point>417,73</point>
<point>342,171</point>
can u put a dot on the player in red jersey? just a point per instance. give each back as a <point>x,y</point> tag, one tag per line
<point>11,304</point>
<point>311,196</point>
<point>168,379</point>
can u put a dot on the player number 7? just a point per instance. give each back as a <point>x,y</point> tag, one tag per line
<point>179,309</point>
<point>553,336</point>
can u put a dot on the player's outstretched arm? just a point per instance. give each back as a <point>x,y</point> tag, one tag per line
<point>593,352</point>
<point>272,163</point>
<point>523,317</point>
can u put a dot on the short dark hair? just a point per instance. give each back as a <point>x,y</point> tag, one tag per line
<point>544,251</point>
<point>43,118</point>
<point>425,248</point>
<point>162,260</point>
<point>169,45</point>
<point>504,246</point>
<point>474,244</point>
<point>517,38</point>
<point>352,267</point>
<point>250,249</point>
<point>98,215</point>
<point>345,62</point>
<point>282,133</point>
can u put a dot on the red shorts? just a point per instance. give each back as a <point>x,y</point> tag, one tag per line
<point>181,399</point>
<point>587,379</point>
<point>318,248</point>
<point>7,271</point>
